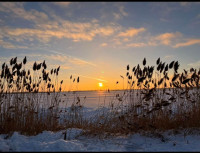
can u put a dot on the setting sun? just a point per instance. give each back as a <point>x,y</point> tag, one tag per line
<point>100,84</point>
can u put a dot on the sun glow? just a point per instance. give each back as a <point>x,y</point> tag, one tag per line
<point>100,84</point>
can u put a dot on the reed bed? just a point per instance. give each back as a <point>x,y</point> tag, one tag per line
<point>22,94</point>
<point>153,100</point>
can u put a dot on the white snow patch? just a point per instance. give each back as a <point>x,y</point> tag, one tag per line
<point>50,141</point>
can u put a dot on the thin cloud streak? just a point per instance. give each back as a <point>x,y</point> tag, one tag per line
<point>188,43</point>
<point>73,59</point>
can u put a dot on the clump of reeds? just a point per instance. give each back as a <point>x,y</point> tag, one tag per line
<point>153,100</point>
<point>29,100</point>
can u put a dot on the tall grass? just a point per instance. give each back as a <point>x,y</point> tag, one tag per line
<point>29,99</point>
<point>153,100</point>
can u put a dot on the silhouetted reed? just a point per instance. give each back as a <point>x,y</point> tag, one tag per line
<point>29,101</point>
<point>155,100</point>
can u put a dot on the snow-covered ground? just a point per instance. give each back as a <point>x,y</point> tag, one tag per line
<point>50,141</point>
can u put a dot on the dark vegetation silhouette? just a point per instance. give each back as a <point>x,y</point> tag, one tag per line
<point>22,94</point>
<point>153,100</point>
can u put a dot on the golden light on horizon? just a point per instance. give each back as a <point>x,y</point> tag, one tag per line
<point>100,84</point>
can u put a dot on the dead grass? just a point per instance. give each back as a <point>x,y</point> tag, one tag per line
<point>155,103</point>
<point>152,101</point>
<point>22,98</point>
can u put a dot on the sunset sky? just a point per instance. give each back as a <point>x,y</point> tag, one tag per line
<point>97,40</point>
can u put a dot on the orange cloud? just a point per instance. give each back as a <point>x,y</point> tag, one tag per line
<point>166,38</point>
<point>131,32</point>
<point>104,31</point>
<point>188,43</point>
<point>142,44</point>
<point>46,35</point>
<point>62,4</point>
<point>136,45</point>
<point>104,44</point>
<point>45,29</point>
